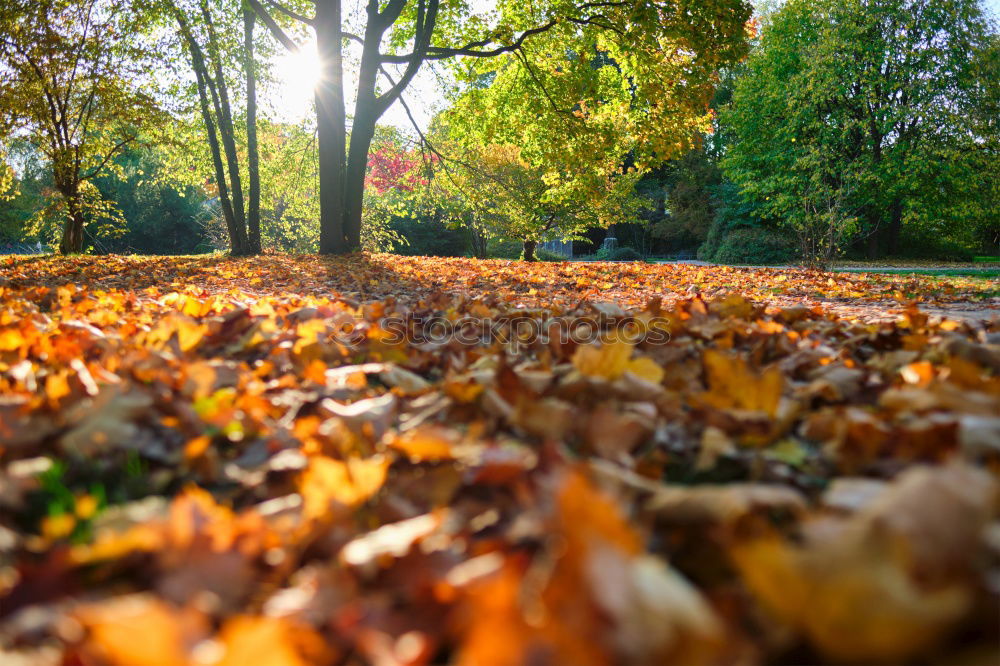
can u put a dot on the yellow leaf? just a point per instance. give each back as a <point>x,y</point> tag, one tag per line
<point>85,506</point>
<point>11,340</point>
<point>611,361</point>
<point>327,480</point>
<point>57,386</point>
<point>315,371</point>
<point>196,447</point>
<point>189,333</point>
<point>58,527</point>
<point>608,361</point>
<point>733,385</point>
<point>266,641</point>
<point>646,368</point>
<point>133,631</point>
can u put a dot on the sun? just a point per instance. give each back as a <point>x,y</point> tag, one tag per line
<point>296,75</point>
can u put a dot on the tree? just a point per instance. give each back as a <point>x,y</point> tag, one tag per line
<point>162,215</point>
<point>659,48</point>
<point>499,194</point>
<point>71,72</point>
<point>849,117</point>
<point>214,36</point>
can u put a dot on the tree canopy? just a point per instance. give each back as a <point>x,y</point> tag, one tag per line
<point>73,85</point>
<point>861,116</point>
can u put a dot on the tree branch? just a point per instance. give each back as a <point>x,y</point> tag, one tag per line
<point>471,49</point>
<point>273,27</point>
<point>421,41</point>
<point>107,158</point>
<point>290,14</point>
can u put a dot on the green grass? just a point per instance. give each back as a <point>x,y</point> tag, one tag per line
<point>989,273</point>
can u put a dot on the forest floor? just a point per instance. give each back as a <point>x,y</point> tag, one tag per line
<point>397,460</point>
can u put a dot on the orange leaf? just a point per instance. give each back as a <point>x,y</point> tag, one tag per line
<point>427,443</point>
<point>327,480</point>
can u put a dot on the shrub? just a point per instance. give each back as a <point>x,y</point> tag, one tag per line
<point>935,247</point>
<point>430,237</point>
<point>547,255</point>
<point>707,250</point>
<point>504,249</point>
<point>625,254</point>
<point>753,245</point>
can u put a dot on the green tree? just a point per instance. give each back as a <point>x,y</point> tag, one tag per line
<point>852,117</point>
<point>71,73</point>
<point>663,52</point>
<point>496,193</point>
<point>162,215</point>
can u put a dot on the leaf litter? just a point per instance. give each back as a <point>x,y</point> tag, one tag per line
<point>221,461</point>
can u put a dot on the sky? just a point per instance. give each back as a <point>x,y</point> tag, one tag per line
<point>297,72</point>
<point>291,100</point>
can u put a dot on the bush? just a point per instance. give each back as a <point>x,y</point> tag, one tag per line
<point>732,212</point>
<point>935,247</point>
<point>430,238</point>
<point>546,255</point>
<point>753,245</point>
<point>504,249</point>
<point>624,254</point>
<point>707,250</point>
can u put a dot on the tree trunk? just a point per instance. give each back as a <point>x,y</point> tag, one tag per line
<point>895,225</point>
<point>220,174</point>
<point>72,237</point>
<point>331,123</point>
<point>223,113</point>
<point>529,250</point>
<point>479,243</point>
<point>362,133</point>
<point>253,158</point>
<point>874,231</point>
<point>871,249</point>
<point>367,110</point>
<point>237,240</point>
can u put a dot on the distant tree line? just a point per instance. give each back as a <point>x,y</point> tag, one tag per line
<point>817,129</point>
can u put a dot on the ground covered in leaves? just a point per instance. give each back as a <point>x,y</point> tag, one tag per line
<point>390,460</point>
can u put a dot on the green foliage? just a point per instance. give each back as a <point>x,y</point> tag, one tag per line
<point>921,244</point>
<point>859,117</point>
<point>21,198</point>
<point>732,211</point>
<point>104,217</point>
<point>688,184</point>
<point>549,141</point>
<point>623,98</point>
<point>495,193</point>
<point>499,248</point>
<point>431,237</point>
<point>753,245</point>
<point>161,216</point>
<point>624,254</point>
<point>72,77</point>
